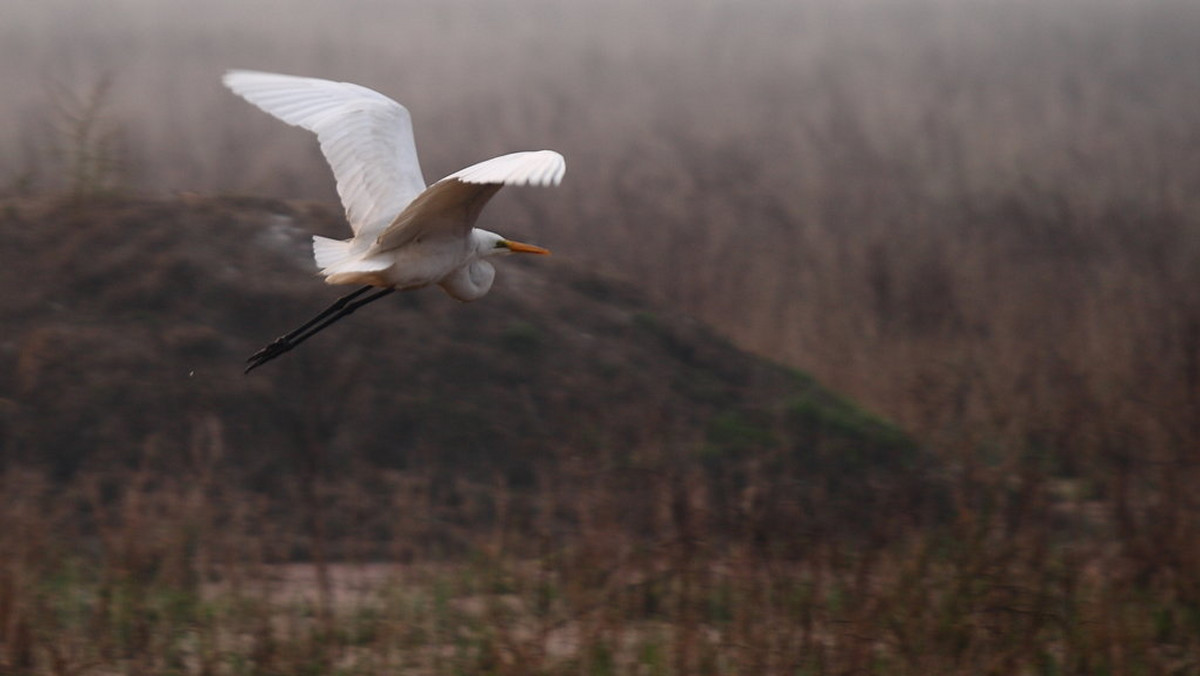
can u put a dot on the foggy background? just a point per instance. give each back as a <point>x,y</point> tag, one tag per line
<point>843,186</point>
<point>976,218</point>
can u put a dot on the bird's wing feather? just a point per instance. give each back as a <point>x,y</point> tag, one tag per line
<point>366,137</point>
<point>451,206</point>
<point>532,167</point>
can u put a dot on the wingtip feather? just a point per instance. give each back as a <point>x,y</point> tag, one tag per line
<point>537,168</point>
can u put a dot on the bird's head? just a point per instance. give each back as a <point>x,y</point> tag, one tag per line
<point>491,244</point>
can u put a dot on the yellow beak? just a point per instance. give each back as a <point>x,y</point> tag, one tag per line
<point>521,247</point>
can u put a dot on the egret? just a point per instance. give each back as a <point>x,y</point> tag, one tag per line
<point>405,235</point>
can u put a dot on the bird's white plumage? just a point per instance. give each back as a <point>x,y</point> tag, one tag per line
<point>451,206</point>
<point>366,137</point>
<point>330,252</point>
<point>405,235</point>
<point>535,167</point>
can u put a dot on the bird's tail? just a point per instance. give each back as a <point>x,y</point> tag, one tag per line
<point>330,252</point>
<point>342,264</point>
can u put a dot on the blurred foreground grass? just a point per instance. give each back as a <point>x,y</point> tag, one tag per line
<point>170,575</point>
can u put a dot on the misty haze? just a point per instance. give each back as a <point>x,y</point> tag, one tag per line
<point>870,343</point>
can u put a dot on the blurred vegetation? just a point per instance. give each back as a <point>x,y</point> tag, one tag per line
<point>153,486</point>
<point>975,221</point>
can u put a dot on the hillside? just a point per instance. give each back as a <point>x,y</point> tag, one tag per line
<point>128,320</point>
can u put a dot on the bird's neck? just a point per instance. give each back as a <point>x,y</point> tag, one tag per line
<point>471,281</point>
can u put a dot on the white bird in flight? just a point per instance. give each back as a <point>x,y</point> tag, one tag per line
<point>406,235</point>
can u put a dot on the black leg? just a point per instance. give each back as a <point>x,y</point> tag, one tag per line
<point>289,337</point>
<point>340,308</point>
<point>337,305</point>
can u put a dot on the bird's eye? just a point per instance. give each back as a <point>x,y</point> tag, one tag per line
<point>501,245</point>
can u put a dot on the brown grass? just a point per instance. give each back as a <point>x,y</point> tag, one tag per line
<point>976,218</point>
<point>147,574</point>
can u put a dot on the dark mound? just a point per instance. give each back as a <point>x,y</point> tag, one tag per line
<point>127,322</point>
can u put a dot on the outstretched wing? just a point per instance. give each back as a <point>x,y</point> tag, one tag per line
<point>366,137</point>
<point>451,206</point>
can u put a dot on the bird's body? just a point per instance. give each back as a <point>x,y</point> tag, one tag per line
<point>406,235</point>
<point>455,263</point>
<point>410,266</point>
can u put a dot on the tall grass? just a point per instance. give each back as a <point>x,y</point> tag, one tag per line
<point>143,573</point>
<point>978,218</point>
